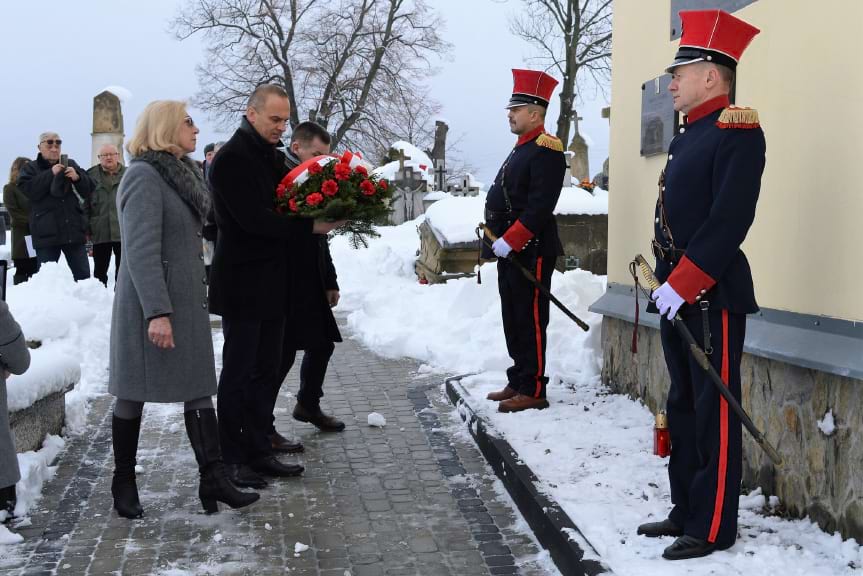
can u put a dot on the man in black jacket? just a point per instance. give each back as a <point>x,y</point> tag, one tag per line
<point>57,194</point>
<point>313,292</point>
<point>249,282</point>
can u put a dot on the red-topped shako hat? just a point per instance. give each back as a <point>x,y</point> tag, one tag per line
<point>531,87</point>
<point>712,36</point>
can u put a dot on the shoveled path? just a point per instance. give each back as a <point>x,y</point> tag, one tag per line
<point>411,498</point>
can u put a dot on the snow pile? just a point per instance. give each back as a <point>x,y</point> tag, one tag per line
<point>414,157</point>
<point>35,472</point>
<point>453,219</point>
<point>826,424</point>
<point>72,320</point>
<point>124,94</point>
<point>577,200</point>
<point>376,420</point>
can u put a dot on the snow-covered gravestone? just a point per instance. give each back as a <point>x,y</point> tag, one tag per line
<point>448,244</point>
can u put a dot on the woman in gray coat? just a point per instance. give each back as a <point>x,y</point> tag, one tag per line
<point>161,346</point>
<point>14,359</point>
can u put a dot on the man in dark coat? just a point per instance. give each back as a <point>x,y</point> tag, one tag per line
<point>519,208</point>
<point>58,195</point>
<point>249,282</point>
<point>707,197</point>
<point>313,292</point>
<point>102,211</point>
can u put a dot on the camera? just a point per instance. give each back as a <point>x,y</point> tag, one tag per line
<point>64,160</point>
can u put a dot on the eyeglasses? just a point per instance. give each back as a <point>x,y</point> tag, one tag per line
<point>189,122</point>
<point>108,155</point>
<point>51,142</point>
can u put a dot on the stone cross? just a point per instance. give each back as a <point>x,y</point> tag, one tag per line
<point>401,158</point>
<point>440,176</point>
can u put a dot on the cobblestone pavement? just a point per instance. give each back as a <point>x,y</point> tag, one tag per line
<point>410,498</point>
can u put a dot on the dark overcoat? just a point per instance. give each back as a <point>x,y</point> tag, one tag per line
<point>310,322</point>
<point>18,207</point>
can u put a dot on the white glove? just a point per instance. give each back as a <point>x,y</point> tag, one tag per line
<point>500,248</point>
<point>667,300</point>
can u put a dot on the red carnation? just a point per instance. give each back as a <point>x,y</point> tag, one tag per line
<point>343,171</point>
<point>314,199</point>
<point>383,184</point>
<point>280,191</point>
<point>361,170</point>
<point>292,204</point>
<point>315,168</point>
<point>330,187</point>
<point>367,187</point>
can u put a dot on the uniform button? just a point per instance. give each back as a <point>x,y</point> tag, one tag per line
<point>670,156</point>
<point>201,256</point>
<point>698,298</point>
<point>656,221</point>
<point>663,188</point>
<point>682,129</point>
<point>704,291</point>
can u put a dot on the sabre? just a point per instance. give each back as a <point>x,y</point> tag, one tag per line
<point>537,284</point>
<point>703,361</point>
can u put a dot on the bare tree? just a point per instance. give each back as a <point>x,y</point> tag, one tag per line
<point>355,66</point>
<point>573,36</point>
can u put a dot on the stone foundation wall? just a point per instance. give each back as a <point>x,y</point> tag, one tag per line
<point>821,477</point>
<point>32,424</point>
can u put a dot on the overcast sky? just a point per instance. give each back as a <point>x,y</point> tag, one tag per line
<point>56,56</point>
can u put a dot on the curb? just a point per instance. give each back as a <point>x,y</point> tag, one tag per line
<point>570,550</point>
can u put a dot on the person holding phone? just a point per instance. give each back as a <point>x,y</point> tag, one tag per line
<point>58,190</point>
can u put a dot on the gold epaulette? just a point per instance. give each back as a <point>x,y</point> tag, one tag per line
<point>734,117</point>
<point>550,141</point>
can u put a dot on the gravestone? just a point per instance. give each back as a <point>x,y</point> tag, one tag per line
<point>580,165</point>
<point>410,188</point>
<point>464,188</point>
<point>107,124</point>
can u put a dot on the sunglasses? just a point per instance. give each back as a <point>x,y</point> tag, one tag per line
<point>51,142</point>
<point>189,122</point>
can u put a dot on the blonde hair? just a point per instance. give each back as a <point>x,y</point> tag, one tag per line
<point>17,164</point>
<point>158,127</point>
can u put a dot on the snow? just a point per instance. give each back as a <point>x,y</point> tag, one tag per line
<point>124,94</point>
<point>49,372</point>
<point>826,424</point>
<point>299,547</point>
<point>377,420</point>
<point>418,160</point>
<point>454,218</point>
<point>577,200</point>
<point>591,450</point>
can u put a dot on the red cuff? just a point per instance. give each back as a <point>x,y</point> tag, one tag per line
<point>689,280</point>
<point>517,236</point>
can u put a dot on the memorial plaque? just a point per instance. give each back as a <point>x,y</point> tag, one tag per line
<point>658,118</point>
<point>678,5</point>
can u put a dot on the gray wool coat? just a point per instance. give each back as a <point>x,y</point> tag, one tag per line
<point>161,272</point>
<point>14,358</point>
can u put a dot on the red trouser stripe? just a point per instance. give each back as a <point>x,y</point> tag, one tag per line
<point>539,367</point>
<point>723,437</point>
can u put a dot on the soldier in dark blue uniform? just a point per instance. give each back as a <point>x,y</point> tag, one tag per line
<point>707,196</point>
<point>519,209</point>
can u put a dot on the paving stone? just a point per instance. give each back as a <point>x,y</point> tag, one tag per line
<point>404,500</point>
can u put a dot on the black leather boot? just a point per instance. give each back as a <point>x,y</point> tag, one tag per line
<point>203,430</point>
<point>8,499</point>
<point>124,434</point>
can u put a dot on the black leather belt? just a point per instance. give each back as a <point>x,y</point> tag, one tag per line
<point>500,216</point>
<point>666,253</point>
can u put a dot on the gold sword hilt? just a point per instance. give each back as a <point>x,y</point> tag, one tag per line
<point>647,272</point>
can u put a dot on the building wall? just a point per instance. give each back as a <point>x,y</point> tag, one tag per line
<point>802,74</point>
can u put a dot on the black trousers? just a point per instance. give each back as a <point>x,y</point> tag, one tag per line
<point>250,365</point>
<point>102,260</point>
<point>24,269</point>
<point>706,436</point>
<point>313,370</point>
<point>525,319</point>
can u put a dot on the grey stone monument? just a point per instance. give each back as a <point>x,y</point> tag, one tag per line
<point>107,124</point>
<point>580,165</point>
<point>410,187</point>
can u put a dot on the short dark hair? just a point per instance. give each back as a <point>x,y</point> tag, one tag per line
<point>307,131</point>
<point>209,148</point>
<point>260,94</point>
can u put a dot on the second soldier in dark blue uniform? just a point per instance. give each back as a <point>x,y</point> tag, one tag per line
<point>707,197</point>
<point>520,210</point>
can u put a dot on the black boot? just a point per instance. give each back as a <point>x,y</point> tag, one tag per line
<point>125,434</point>
<point>8,499</point>
<point>203,430</point>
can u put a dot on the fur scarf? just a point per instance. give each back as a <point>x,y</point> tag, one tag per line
<point>183,176</point>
